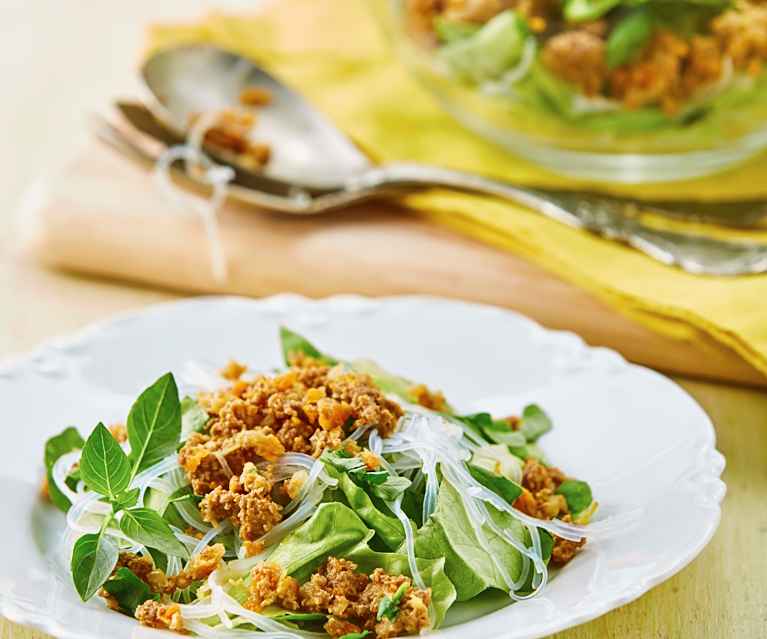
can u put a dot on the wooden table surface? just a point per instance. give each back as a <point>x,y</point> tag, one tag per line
<point>85,52</point>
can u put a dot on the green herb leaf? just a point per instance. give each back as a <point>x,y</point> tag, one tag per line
<point>500,485</point>
<point>341,462</point>
<point>103,465</point>
<point>58,445</point>
<point>535,423</point>
<point>392,488</point>
<point>389,605</point>
<point>355,635</point>
<point>193,417</point>
<point>374,477</point>
<point>577,494</point>
<point>125,499</point>
<point>187,595</point>
<point>94,556</point>
<point>146,526</point>
<point>154,424</point>
<point>160,559</point>
<point>628,38</point>
<point>300,616</point>
<point>129,591</point>
<point>293,343</point>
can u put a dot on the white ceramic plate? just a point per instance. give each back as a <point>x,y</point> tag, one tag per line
<point>635,436</point>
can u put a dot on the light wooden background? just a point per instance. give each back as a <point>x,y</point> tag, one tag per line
<point>60,57</point>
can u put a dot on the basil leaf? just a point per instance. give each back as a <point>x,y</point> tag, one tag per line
<point>577,494</point>
<point>389,605</point>
<point>193,417</point>
<point>129,591</point>
<point>126,499</point>
<point>160,559</point>
<point>146,526</point>
<point>535,423</point>
<point>154,424</point>
<point>94,556</point>
<point>392,488</point>
<point>293,343</point>
<point>372,477</point>
<point>104,465</point>
<point>300,616</point>
<point>355,635</point>
<point>65,442</point>
<point>500,485</point>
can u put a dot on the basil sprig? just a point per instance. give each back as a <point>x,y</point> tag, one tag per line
<point>154,429</point>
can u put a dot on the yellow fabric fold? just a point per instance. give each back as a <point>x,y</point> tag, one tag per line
<point>332,51</point>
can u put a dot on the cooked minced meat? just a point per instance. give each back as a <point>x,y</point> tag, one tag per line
<point>350,598</point>
<point>307,409</point>
<point>539,499</point>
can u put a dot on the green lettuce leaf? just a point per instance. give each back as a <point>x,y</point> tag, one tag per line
<point>449,534</point>
<point>65,442</point>
<point>387,527</point>
<point>332,530</point>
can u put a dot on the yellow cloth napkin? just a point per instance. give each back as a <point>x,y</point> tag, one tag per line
<point>333,52</point>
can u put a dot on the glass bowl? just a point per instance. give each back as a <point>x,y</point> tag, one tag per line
<point>495,76</point>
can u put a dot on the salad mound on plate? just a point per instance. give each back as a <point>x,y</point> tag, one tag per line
<point>327,497</point>
<point>640,64</point>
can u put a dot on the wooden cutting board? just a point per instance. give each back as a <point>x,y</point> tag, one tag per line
<point>104,216</point>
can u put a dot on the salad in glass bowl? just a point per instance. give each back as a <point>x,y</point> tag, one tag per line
<point>631,90</point>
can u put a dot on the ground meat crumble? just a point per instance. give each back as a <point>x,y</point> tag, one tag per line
<point>350,598</point>
<point>307,409</point>
<point>165,614</point>
<point>539,499</point>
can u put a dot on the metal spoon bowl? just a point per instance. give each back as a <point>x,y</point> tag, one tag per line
<point>315,168</point>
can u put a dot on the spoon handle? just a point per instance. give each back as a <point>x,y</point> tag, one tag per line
<point>602,215</point>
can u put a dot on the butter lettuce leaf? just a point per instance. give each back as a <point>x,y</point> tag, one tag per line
<point>332,530</point>
<point>450,534</point>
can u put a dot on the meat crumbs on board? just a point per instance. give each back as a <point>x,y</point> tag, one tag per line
<point>306,409</point>
<point>350,598</point>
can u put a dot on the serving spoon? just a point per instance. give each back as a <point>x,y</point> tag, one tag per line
<point>314,168</point>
